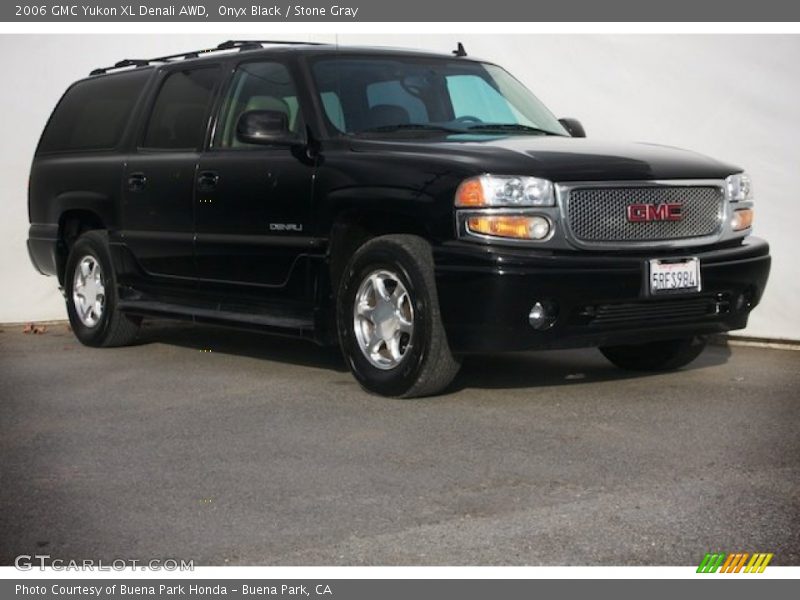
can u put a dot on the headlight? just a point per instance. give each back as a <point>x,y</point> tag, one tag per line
<point>497,190</point>
<point>740,188</point>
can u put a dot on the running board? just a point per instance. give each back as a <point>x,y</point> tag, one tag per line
<point>291,324</point>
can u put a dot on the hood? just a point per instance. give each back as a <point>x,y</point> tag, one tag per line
<point>559,159</point>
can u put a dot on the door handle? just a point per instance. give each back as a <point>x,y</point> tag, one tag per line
<point>136,182</point>
<point>207,180</point>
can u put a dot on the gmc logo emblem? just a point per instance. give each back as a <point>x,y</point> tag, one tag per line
<point>669,211</point>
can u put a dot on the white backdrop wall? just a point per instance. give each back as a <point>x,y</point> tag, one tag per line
<point>736,98</point>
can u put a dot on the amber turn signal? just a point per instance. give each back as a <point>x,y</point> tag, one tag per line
<point>742,219</point>
<point>514,227</point>
<point>470,193</point>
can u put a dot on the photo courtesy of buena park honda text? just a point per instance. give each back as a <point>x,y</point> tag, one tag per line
<point>399,300</point>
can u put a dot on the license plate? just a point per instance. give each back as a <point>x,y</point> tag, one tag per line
<point>670,276</point>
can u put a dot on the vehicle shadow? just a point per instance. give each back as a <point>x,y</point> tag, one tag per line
<point>559,367</point>
<point>238,342</point>
<point>497,371</point>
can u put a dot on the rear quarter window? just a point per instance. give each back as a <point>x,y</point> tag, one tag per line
<point>93,113</point>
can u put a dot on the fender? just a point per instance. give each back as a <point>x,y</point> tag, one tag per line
<point>97,204</point>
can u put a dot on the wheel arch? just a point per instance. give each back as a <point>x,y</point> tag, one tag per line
<point>349,230</point>
<point>354,227</point>
<point>72,223</point>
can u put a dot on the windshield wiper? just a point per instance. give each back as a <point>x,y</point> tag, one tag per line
<point>509,127</point>
<point>411,127</point>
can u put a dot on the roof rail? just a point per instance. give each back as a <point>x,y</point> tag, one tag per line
<point>240,45</point>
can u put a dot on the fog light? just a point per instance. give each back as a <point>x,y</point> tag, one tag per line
<point>742,219</point>
<point>542,315</point>
<point>514,227</point>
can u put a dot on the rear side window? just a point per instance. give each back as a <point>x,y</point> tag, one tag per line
<point>93,113</point>
<point>180,113</point>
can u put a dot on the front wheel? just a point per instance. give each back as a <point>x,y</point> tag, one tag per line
<point>655,356</point>
<point>390,328</point>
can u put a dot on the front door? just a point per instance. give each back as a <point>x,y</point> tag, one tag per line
<point>253,202</point>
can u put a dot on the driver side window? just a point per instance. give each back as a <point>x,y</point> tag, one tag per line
<point>257,86</point>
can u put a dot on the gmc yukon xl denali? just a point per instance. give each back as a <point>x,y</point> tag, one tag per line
<point>414,207</point>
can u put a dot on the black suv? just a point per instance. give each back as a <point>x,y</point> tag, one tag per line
<point>415,207</point>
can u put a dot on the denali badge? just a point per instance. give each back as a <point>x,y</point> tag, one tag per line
<point>286,227</point>
<point>669,211</point>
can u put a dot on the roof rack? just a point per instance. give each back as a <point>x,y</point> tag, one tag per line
<point>240,45</point>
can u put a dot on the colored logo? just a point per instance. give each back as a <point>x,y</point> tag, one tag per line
<point>643,213</point>
<point>735,562</point>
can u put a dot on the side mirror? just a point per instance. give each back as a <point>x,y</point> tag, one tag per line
<point>574,127</point>
<point>267,127</point>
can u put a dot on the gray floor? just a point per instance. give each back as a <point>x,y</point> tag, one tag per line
<point>264,451</point>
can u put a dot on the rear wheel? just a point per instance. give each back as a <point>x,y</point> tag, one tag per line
<point>390,328</point>
<point>655,356</point>
<point>91,294</point>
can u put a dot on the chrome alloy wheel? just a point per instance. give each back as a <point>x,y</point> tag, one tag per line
<point>383,319</point>
<point>88,291</point>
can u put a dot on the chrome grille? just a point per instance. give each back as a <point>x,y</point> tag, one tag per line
<point>598,214</point>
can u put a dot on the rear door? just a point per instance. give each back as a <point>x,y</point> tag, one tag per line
<point>159,179</point>
<point>253,202</point>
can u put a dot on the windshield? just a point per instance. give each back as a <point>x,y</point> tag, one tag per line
<point>363,95</point>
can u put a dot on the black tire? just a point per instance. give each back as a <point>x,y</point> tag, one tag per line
<point>655,356</point>
<point>428,366</point>
<point>113,328</point>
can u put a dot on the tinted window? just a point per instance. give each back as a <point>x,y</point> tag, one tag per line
<point>333,108</point>
<point>258,86</point>
<point>93,113</point>
<point>179,115</point>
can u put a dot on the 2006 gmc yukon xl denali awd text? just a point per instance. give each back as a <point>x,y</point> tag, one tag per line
<point>416,207</point>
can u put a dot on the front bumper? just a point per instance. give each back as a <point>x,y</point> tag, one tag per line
<point>486,294</point>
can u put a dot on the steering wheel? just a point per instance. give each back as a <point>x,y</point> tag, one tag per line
<point>415,85</point>
<point>467,119</point>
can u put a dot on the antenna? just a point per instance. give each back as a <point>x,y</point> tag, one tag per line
<point>459,51</point>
